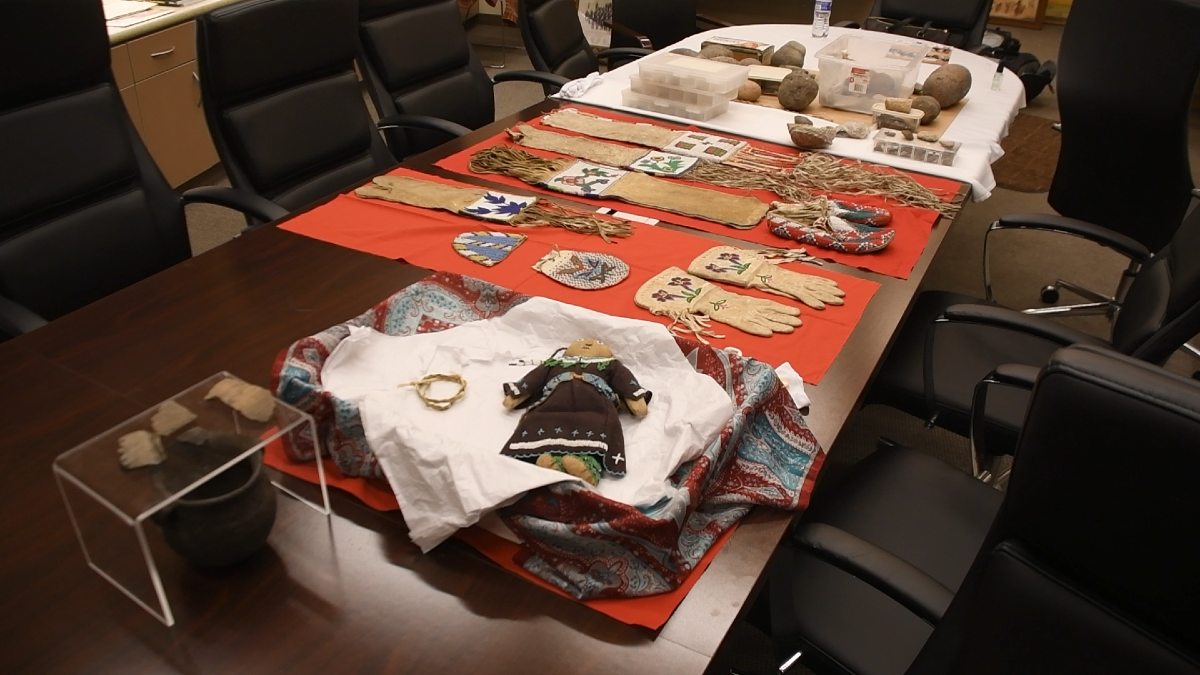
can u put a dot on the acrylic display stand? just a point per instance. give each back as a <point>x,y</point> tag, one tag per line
<point>109,505</point>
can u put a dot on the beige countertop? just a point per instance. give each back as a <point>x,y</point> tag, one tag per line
<point>177,16</point>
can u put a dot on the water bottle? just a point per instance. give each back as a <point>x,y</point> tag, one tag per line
<point>821,10</point>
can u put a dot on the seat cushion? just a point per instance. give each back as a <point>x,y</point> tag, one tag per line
<point>964,355</point>
<point>558,37</point>
<point>914,506</point>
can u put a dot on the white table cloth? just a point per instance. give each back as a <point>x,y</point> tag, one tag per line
<point>980,124</point>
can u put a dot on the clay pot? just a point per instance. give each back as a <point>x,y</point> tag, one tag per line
<point>225,520</point>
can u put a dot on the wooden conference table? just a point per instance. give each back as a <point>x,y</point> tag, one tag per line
<point>348,594</point>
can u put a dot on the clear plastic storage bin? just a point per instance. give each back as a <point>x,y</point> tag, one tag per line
<point>688,72</point>
<point>856,72</point>
<point>675,108</point>
<point>704,99</point>
<point>891,142</point>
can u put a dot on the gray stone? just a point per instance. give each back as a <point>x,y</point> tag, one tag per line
<point>928,136</point>
<point>928,105</point>
<point>686,52</point>
<point>797,91</point>
<point>713,51</point>
<point>724,59</point>
<point>810,137</point>
<point>948,84</point>
<point>790,54</point>
<point>853,130</point>
<point>801,119</point>
<point>750,61</point>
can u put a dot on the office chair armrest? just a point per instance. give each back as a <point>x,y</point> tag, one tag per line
<point>895,577</point>
<point>625,30</point>
<point>1127,246</point>
<point>423,122</point>
<point>1017,375</point>
<point>16,319</point>
<point>1011,319</point>
<point>257,207</point>
<point>847,24</point>
<point>624,53</point>
<point>712,21</point>
<point>556,81</point>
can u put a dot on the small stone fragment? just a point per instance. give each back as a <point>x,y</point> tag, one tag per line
<point>902,105</point>
<point>949,145</point>
<point>686,52</point>
<point>254,402</point>
<point>801,119</point>
<point>725,59</point>
<point>908,135</point>
<point>797,91</point>
<point>790,54</point>
<point>713,51</point>
<point>810,137</point>
<point>853,130</point>
<point>749,91</point>
<point>948,84</point>
<point>928,136</point>
<point>140,448</point>
<point>928,105</point>
<point>750,61</point>
<point>889,133</point>
<point>171,417</point>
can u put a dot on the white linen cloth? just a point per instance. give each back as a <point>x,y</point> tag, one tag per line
<point>577,88</point>
<point>980,124</point>
<point>445,467</point>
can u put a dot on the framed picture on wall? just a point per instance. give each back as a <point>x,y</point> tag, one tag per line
<point>1028,13</point>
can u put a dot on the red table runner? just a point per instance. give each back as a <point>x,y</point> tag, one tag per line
<point>912,225</point>
<point>423,237</point>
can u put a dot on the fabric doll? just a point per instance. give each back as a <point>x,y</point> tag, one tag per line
<point>572,400</point>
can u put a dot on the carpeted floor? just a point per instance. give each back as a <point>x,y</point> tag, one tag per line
<point>1022,261</point>
<point>1030,155</point>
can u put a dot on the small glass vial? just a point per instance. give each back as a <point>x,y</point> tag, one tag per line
<point>821,11</point>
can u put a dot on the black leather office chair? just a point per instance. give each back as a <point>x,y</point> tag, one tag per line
<point>283,102</point>
<point>84,211</point>
<point>416,60</point>
<point>1086,565</point>
<point>1141,188</point>
<point>555,42</point>
<point>654,25</point>
<point>949,342</point>
<point>965,19</point>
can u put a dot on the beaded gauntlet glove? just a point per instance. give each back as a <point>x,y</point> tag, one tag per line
<point>681,296</point>
<point>750,270</point>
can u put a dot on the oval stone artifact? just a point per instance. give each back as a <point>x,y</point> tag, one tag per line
<point>750,91</point>
<point>810,137</point>
<point>797,90</point>
<point>685,51</point>
<point>928,105</point>
<point>750,61</point>
<point>948,84</point>
<point>790,54</point>
<point>725,59</point>
<point>713,51</point>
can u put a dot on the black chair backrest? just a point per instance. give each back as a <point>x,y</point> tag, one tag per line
<point>1140,187</point>
<point>84,211</point>
<point>664,22</point>
<point>1090,565</point>
<point>967,17</point>
<point>554,38</point>
<point>1161,311</point>
<point>282,99</point>
<point>416,60</point>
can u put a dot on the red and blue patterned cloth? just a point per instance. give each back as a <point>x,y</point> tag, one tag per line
<point>573,538</point>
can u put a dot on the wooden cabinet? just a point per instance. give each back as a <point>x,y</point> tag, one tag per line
<point>159,84</point>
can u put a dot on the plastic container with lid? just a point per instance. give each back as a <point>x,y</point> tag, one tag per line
<point>704,99</point>
<point>856,72</point>
<point>688,72</point>
<point>700,113</point>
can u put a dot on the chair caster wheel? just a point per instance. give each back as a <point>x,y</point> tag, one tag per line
<point>1049,295</point>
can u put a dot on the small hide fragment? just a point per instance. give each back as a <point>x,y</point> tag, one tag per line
<point>898,104</point>
<point>853,130</point>
<point>810,137</point>
<point>171,417</point>
<point>254,402</point>
<point>140,448</point>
